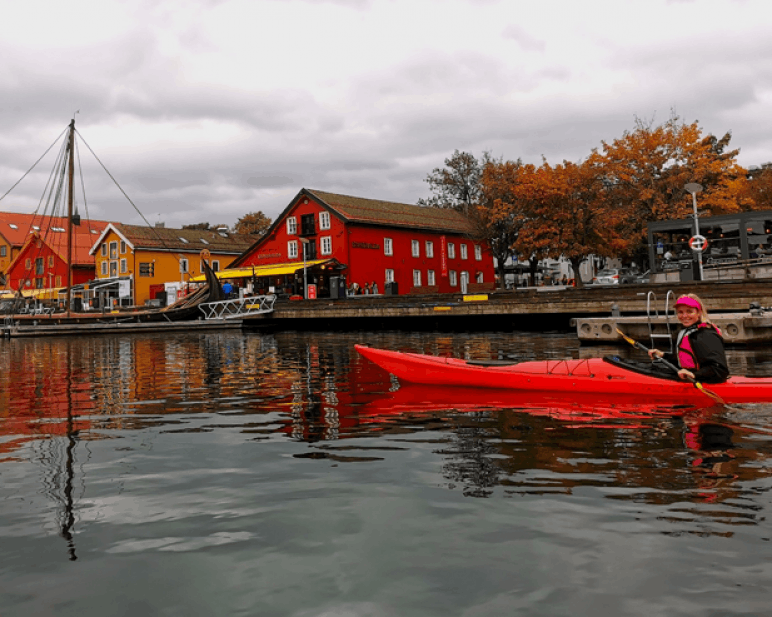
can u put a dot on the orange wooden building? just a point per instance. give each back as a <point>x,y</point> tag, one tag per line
<point>143,263</point>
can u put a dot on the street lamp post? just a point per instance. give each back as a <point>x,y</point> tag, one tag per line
<point>695,188</point>
<point>304,241</point>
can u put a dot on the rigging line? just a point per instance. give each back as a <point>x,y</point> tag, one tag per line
<point>82,185</point>
<point>33,166</point>
<point>56,172</point>
<point>160,238</point>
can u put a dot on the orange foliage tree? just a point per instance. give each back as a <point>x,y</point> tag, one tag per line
<point>759,187</point>
<point>646,170</point>
<point>254,224</point>
<point>567,213</point>
<point>498,216</point>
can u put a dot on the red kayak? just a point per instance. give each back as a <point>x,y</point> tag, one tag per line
<point>601,376</point>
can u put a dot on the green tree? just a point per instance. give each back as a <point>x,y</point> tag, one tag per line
<point>457,185</point>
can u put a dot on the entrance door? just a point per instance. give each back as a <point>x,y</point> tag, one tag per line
<point>464,281</point>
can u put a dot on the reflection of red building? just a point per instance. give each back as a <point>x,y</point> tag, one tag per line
<point>419,248</point>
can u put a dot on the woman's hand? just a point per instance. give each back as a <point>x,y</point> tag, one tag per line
<point>655,353</point>
<point>686,375</point>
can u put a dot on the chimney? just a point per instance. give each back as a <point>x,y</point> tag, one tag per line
<point>160,225</point>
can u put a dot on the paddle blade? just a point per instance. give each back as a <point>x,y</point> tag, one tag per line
<point>707,392</point>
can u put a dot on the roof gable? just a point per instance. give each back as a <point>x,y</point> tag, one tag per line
<point>359,210</point>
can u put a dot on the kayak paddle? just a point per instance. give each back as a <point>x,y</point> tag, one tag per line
<point>672,367</point>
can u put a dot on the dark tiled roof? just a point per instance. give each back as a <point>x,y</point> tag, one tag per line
<point>376,212</point>
<point>160,238</point>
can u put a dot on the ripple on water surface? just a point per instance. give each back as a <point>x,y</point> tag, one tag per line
<point>240,474</point>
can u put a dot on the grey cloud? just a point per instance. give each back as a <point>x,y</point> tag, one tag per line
<point>523,38</point>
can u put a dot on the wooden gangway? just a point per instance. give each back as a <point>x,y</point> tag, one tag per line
<point>238,308</point>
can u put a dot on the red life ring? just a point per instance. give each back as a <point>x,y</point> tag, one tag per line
<point>698,243</point>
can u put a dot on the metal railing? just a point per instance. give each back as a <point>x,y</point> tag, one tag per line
<point>238,308</point>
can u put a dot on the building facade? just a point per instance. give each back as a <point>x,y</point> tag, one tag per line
<point>45,258</point>
<point>135,264</point>
<point>731,239</point>
<point>410,249</point>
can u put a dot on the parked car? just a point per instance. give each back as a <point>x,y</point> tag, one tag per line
<point>644,278</point>
<point>615,276</point>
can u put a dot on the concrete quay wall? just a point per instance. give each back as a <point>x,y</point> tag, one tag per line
<point>535,305</point>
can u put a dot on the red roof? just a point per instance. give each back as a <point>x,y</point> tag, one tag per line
<point>17,228</point>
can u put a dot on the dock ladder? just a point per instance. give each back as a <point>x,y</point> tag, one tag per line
<point>651,298</point>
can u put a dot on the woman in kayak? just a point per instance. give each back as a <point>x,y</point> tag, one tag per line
<point>700,352</point>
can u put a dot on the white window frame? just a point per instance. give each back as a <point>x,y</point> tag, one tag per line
<point>104,266</point>
<point>292,249</point>
<point>416,248</point>
<point>324,220</point>
<point>453,275</point>
<point>416,278</point>
<point>184,265</point>
<point>451,250</point>
<point>480,277</point>
<point>123,247</point>
<point>429,248</point>
<point>326,245</point>
<point>430,280</point>
<point>389,276</point>
<point>478,252</point>
<point>215,265</point>
<point>104,249</point>
<point>292,226</point>
<point>124,266</point>
<point>463,251</point>
<point>388,246</point>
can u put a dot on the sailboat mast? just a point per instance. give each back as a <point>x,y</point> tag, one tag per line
<point>70,179</point>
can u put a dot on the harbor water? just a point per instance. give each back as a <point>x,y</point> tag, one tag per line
<point>238,473</point>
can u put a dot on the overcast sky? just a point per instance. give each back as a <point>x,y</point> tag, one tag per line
<point>205,110</point>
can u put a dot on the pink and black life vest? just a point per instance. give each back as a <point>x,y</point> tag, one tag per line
<point>686,357</point>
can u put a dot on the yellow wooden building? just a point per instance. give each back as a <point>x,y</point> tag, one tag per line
<point>138,265</point>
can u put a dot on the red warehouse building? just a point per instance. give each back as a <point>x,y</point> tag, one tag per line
<point>400,248</point>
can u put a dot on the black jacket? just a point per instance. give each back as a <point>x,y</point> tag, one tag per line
<point>708,348</point>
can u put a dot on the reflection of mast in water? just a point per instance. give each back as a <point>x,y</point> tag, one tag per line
<point>65,514</point>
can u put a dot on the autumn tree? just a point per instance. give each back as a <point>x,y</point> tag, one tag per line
<point>498,217</point>
<point>254,224</point>
<point>759,187</point>
<point>567,213</point>
<point>645,172</point>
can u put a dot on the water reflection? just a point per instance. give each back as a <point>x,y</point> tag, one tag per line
<point>312,388</point>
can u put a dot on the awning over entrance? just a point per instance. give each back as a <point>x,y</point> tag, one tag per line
<point>40,294</point>
<point>269,270</point>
